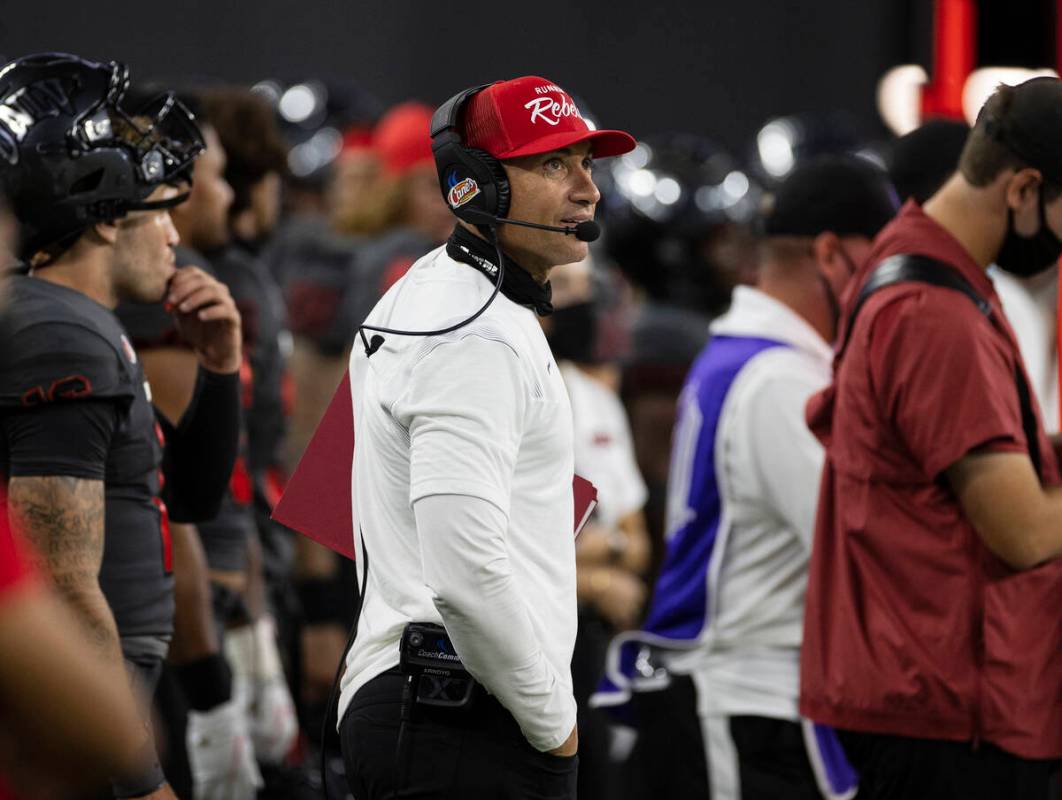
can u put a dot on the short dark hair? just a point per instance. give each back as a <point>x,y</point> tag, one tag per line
<point>985,155</point>
<point>247,127</point>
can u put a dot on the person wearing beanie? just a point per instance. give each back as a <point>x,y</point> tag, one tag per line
<point>458,681</point>
<point>931,637</point>
<point>727,607</point>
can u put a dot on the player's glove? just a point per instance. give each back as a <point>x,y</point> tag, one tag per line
<point>221,753</point>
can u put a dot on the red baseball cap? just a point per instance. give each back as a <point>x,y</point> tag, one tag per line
<point>531,115</point>
<point>402,137</point>
<point>356,138</point>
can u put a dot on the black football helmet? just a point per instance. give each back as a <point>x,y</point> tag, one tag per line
<point>672,208</point>
<point>72,155</point>
<point>784,142</point>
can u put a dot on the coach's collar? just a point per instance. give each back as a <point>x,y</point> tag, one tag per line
<point>517,283</point>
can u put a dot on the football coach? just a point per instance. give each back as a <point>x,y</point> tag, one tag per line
<point>458,681</point>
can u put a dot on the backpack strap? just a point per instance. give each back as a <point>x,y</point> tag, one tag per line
<point>906,268</point>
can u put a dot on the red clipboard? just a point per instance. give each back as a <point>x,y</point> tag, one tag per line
<point>317,500</point>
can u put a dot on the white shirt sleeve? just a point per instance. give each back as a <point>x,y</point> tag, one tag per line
<point>787,457</point>
<point>466,565</point>
<point>464,406</point>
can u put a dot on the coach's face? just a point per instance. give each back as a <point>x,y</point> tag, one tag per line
<point>554,188</point>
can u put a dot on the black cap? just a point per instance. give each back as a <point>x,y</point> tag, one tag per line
<point>846,195</point>
<point>1031,126</point>
<point>921,161</point>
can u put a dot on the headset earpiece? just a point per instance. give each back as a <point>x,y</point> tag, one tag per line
<point>499,180</point>
<point>472,181</point>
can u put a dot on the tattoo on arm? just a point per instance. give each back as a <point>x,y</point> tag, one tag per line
<point>63,518</point>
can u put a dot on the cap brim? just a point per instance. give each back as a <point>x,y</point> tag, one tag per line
<point>605,144</point>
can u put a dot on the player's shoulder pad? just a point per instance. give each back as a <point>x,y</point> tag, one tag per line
<point>60,346</point>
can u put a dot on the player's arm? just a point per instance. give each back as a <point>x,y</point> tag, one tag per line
<point>634,535</point>
<point>201,449</point>
<point>1018,520</point>
<point>62,517</point>
<point>52,687</point>
<point>207,319</point>
<point>317,572</point>
<point>194,635</point>
<point>196,391</point>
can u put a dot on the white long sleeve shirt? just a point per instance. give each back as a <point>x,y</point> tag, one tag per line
<point>462,491</point>
<point>767,467</point>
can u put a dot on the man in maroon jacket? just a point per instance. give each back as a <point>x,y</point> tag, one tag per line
<point>932,629</point>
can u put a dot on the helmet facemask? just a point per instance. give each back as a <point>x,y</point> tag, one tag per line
<point>72,155</point>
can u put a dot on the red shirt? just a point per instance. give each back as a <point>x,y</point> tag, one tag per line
<point>14,572</point>
<point>912,626</point>
<point>14,566</point>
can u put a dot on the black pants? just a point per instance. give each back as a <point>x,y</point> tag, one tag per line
<point>597,775</point>
<point>444,754</point>
<point>668,760</point>
<point>913,769</point>
<point>772,759</point>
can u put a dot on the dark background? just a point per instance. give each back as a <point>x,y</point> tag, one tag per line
<point>715,67</point>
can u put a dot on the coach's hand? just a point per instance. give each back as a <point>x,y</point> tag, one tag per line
<point>570,746</point>
<point>206,318</point>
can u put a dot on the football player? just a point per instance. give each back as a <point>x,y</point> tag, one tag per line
<point>91,183</point>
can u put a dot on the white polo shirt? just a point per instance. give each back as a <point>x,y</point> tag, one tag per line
<point>462,490</point>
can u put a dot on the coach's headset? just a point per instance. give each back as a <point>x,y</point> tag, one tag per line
<point>476,188</point>
<point>460,166</point>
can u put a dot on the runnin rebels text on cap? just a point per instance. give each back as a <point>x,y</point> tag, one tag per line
<point>531,115</point>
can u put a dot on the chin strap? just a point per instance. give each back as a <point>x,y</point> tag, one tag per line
<point>155,205</point>
<point>102,210</point>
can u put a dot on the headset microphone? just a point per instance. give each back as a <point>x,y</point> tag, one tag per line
<point>586,231</point>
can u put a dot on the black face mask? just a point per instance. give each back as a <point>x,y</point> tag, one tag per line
<point>574,333</point>
<point>1026,256</point>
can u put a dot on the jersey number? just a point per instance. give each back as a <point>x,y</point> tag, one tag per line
<point>69,388</point>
